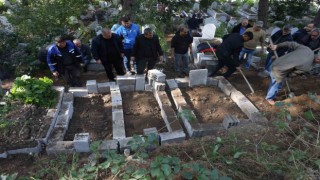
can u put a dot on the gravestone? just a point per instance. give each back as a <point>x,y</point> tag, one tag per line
<point>232,23</point>
<point>227,7</point>
<point>211,20</point>
<point>208,31</point>
<point>222,19</point>
<point>214,5</point>
<point>196,6</point>
<point>245,6</point>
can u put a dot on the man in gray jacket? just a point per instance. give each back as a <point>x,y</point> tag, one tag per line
<point>301,58</point>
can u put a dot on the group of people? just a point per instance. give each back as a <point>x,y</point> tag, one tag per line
<point>287,53</point>
<point>112,50</point>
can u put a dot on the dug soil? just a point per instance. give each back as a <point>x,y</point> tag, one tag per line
<point>93,115</point>
<point>210,104</point>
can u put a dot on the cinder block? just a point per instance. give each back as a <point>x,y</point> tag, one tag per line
<point>60,147</point>
<point>92,87</point>
<point>257,117</point>
<point>116,97</point>
<point>178,99</point>
<point>228,121</point>
<point>162,98</point>
<point>170,118</point>
<point>57,134</point>
<point>127,88</point>
<point>126,80</point>
<point>68,97</point>
<point>212,81</point>
<point>244,104</point>
<point>109,145</point>
<point>198,77</point>
<point>211,128</point>
<point>225,86</point>
<point>148,131</point>
<point>105,87</point>
<point>32,150</point>
<point>172,84</point>
<point>148,87</point>
<point>78,91</point>
<point>114,87</point>
<point>159,86</point>
<point>125,143</point>
<point>81,142</point>
<point>66,109</point>
<point>51,112</point>
<point>62,121</point>
<point>156,75</point>
<point>118,128</point>
<point>140,82</point>
<point>4,155</point>
<point>172,137</point>
<point>190,121</point>
<point>182,82</point>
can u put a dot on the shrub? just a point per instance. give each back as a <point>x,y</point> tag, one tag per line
<point>34,91</point>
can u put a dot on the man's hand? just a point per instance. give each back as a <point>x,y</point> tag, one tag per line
<point>273,47</point>
<point>98,61</point>
<point>55,74</point>
<point>238,68</point>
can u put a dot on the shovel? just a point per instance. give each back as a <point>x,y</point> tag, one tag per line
<point>244,77</point>
<point>291,94</point>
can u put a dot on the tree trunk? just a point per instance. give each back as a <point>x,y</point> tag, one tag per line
<point>127,6</point>
<point>316,20</point>
<point>263,11</point>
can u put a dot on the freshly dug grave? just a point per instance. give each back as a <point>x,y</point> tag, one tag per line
<point>23,126</point>
<point>141,111</point>
<point>92,114</point>
<point>210,104</point>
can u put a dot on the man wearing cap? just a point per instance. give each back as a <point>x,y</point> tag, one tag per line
<point>64,58</point>
<point>301,58</point>
<point>259,36</point>
<point>228,52</point>
<point>280,36</point>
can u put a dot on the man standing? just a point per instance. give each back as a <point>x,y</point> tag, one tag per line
<point>146,50</point>
<point>228,52</point>
<point>180,44</point>
<point>65,58</point>
<point>128,31</point>
<point>249,47</point>
<point>241,27</point>
<point>301,58</point>
<point>85,52</point>
<point>280,36</point>
<point>107,49</point>
<point>313,41</point>
<point>301,36</point>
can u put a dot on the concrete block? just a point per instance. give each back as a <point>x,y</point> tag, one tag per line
<point>172,84</point>
<point>127,88</point>
<point>148,87</point>
<point>212,81</point>
<point>4,155</point>
<point>124,143</point>
<point>51,112</point>
<point>225,86</point>
<point>182,82</point>
<point>148,131</point>
<point>198,77</point>
<point>150,81</point>
<point>126,80</point>
<point>159,86</point>
<point>116,97</point>
<point>140,83</point>
<point>114,87</point>
<point>32,150</point>
<point>244,104</point>
<point>81,142</point>
<point>62,121</point>
<point>228,121</point>
<point>170,118</point>
<point>78,91</point>
<point>68,97</point>
<point>257,117</point>
<point>66,109</point>
<point>60,147</point>
<point>109,145</point>
<point>92,87</point>
<point>172,137</point>
<point>105,87</point>
<point>162,98</point>
<point>156,75</point>
<point>57,134</point>
<point>178,99</point>
<point>118,128</point>
<point>211,128</point>
<point>117,107</point>
<point>190,121</point>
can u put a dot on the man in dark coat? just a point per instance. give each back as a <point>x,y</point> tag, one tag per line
<point>107,48</point>
<point>146,50</point>
<point>64,58</point>
<point>241,27</point>
<point>301,36</point>
<point>228,52</point>
<point>85,52</point>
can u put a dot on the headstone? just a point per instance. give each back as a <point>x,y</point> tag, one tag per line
<point>245,6</point>
<point>222,18</point>
<point>227,7</point>
<point>196,7</point>
<point>209,31</point>
<point>232,23</point>
<point>214,5</point>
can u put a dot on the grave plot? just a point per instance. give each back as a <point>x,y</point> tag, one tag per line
<point>92,114</point>
<point>141,111</point>
<point>210,104</point>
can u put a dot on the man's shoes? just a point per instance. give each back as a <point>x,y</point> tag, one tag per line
<point>271,102</point>
<point>264,74</point>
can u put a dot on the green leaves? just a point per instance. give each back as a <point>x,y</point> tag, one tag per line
<point>34,91</point>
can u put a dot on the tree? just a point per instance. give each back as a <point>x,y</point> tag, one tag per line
<point>263,11</point>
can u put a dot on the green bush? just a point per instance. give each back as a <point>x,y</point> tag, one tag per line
<point>34,91</point>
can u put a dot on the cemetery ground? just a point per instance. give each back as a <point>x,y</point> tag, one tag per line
<point>284,148</point>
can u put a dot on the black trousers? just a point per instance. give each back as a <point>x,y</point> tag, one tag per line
<point>143,62</point>
<point>72,75</point>
<point>226,61</point>
<point>117,64</point>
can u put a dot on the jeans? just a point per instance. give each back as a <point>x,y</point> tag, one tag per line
<point>274,87</point>
<point>126,62</point>
<point>268,62</point>
<point>249,53</point>
<point>181,63</point>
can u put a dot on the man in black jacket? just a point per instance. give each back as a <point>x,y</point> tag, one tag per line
<point>146,50</point>
<point>228,52</point>
<point>241,27</point>
<point>107,49</point>
<point>85,52</point>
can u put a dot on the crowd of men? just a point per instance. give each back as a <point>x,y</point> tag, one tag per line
<point>123,45</point>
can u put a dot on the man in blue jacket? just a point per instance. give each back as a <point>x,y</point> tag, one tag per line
<point>128,31</point>
<point>65,59</point>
